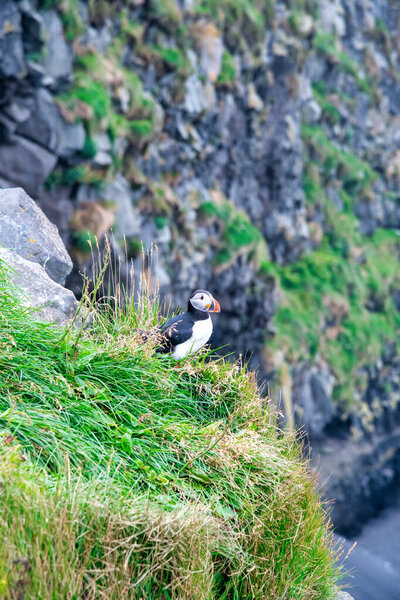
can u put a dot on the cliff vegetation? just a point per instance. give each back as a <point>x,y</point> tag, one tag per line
<point>125,474</point>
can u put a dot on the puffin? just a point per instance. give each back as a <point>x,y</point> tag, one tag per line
<point>186,333</point>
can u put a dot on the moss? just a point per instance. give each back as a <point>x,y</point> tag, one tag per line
<point>71,175</point>
<point>227,75</point>
<point>167,13</point>
<point>356,174</point>
<point>310,7</point>
<point>213,209</point>
<point>92,93</point>
<point>173,57</point>
<point>329,110</point>
<point>83,240</point>
<point>130,29</point>
<point>330,275</point>
<point>161,221</point>
<point>141,128</point>
<point>237,233</point>
<point>71,20</point>
<point>327,44</point>
<point>248,17</point>
<point>240,232</point>
<point>89,149</point>
<point>134,247</point>
<point>48,4</point>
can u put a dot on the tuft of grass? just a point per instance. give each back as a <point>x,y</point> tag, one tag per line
<point>246,17</point>
<point>328,45</point>
<point>329,110</point>
<point>356,174</point>
<point>128,474</point>
<point>238,234</point>
<point>228,71</point>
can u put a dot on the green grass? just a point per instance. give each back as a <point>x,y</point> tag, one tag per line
<point>355,174</point>
<point>338,307</point>
<point>328,45</point>
<point>329,110</point>
<point>126,474</point>
<point>246,17</point>
<point>237,233</point>
<point>228,70</point>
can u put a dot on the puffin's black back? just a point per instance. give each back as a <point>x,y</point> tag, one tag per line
<point>176,331</point>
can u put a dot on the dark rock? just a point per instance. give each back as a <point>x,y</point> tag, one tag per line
<point>25,163</point>
<point>49,129</point>
<point>58,208</point>
<point>32,28</point>
<point>312,398</point>
<point>12,62</point>
<point>127,217</point>
<point>58,59</point>
<point>25,230</point>
<point>20,108</point>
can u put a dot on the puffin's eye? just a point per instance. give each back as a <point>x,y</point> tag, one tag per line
<point>202,298</point>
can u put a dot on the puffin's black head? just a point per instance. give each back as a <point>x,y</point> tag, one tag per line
<point>204,301</point>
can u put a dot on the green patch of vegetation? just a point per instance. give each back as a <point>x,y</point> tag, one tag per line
<point>355,174</point>
<point>91,87</point>
<point>167,13</point>
<point>337,300</point>
<point>134,247</point>
<point>328,45</point>
<point>329,110</point>
<point>309,7</point>
<point>71,20</point>
<point>227,75</point>
<point>173,57</point>
<point>246,16</point>
<point>83,240</point>
<point>89,149</point>
<point>91,93</point>
<point>141,127</point>
<point>71,175</point>
<point>48,4</point>
<point>161,221</point>
<point>135,474</point>
<point>382,35</point>
<point>130,29</point>
<point>69,14</point>
<point>238,234</point>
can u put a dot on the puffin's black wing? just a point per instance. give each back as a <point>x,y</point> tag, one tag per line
<point>177,330</point>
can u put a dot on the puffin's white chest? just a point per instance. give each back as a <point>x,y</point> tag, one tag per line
<point>202,331</point>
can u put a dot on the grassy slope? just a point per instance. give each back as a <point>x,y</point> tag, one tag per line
<point>126,475</point>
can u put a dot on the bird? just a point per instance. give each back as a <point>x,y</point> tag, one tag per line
<point>186,333</point>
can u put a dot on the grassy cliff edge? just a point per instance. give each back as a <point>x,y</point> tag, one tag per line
<point>126,475</point>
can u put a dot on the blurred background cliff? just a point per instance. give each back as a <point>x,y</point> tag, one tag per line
<point>257,143</point>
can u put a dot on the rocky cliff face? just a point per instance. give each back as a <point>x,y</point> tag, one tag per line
<point>257,144</point>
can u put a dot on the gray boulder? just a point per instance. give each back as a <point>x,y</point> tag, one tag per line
<point>312,396</point>
<point>36,290</point>
<point>27,231</point>
<point>59,57</point>
<point>50,129</point>
<point>25,163</point>
<point>127,216</point>
<point>12,62</point>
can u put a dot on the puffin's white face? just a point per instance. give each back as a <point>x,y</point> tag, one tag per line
<point>203,300</point>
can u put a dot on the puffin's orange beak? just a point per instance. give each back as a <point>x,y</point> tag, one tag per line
<point>217,307</point>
